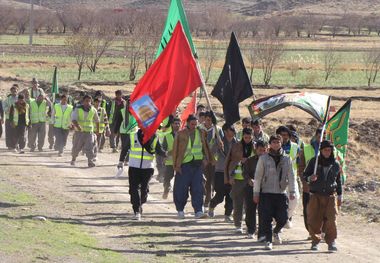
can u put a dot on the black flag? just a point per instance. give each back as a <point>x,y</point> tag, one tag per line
<point>233,85</point>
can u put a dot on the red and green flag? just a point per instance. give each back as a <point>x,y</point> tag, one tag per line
<point>337,132</point>
<point>172,77</point>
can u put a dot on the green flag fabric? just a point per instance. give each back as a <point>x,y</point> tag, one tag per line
<point>54,86</point>
<point>176,13</point>
<point>337,132</point>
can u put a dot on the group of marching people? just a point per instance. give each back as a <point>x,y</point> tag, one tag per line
<point>248,170</point>
<point>30,115</point>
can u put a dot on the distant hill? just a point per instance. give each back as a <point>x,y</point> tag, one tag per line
<point>245,7</point>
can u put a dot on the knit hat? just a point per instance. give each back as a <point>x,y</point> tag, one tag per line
<point>326,144</point>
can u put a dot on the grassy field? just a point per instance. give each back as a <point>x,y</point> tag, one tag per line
<point>38,240</point>
<point>301,64</point>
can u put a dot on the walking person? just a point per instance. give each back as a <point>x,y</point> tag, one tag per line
<point>236,159</point>
<point>222,186</point>
<point>61,116</point>
<point>8,102</point>
<point>189,151</point>
<point>124,125</point>
<point>103,126</point>
<point>167,145</point>
<point>116,105</point>
<point>291,149</point>
<point>84,117</point>
<point>19,115</point>
<point>325,195</point>
<point>249,169</point>
<point>141,169</point>
<point>38,118</point>
<point>274,174</point>
<point>213,141</point>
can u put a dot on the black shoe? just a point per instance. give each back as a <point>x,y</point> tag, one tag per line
<point>332,247</point>
<point>314,247</point>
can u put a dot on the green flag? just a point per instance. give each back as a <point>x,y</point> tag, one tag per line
<point>54,86</point>
<point>176,13</point>
<point>337,132</point>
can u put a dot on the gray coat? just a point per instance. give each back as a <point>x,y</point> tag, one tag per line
<point>272,179</point>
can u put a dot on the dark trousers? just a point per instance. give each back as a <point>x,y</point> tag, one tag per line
<point>19,137</point>
<point>190,178</point>
<point>60,138</point>
<point>9,134</point>
<point>51,137</point>
<point>114,138</point>
<point>209,172</point>
<point>222,192</point>
<point>125,145</point>
<point>305,202</point>
<point>273,206</point>
<point>250,210</point>
<point>139,186</point>
<point>168,176</point>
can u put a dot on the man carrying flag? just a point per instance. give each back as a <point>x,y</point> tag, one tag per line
<point>233,85</point>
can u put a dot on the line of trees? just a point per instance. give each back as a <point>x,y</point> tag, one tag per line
<point>208,22</point>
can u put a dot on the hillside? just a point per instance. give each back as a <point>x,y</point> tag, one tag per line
<point>245,7</point>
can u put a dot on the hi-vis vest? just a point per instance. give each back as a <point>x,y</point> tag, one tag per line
<point>129,129</point>
<point>138,156</point>
<point>238,173</point>
<point>38,113</point>
<point>293,156</point>
<point>170,142</point>
<point>87,124</point>
<point>102,125</point>
<point>10,101</point>
<point>112,112</point>
<point>62,119</point>
<point>194,152</point>
<point>308,152</point>
<point>15,116</point>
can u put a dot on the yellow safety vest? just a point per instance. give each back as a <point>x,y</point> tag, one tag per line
<point>238,173</point>
<point>138,156</point>
<point>194,152</point>
<point>38,113</point>
<point>102,124</point>
<point>62,119</point>
<point>132,124</point>
<point>87,124</point>
<point>308,152</point>
<point>10,102</point>
<point>170,142</point>
<point>112,112</point>
<point>15,116</point>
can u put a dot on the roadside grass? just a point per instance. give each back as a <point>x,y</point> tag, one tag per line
<point>28,240</point>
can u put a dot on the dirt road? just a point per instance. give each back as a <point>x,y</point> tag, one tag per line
<point>99,203</point>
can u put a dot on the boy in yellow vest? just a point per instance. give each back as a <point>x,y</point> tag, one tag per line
<point>86,121</point>
<point>38,117</point>
<point>19,115</point>
<point>61,116</point>
<point>167,145</point>
<point>103,125</point>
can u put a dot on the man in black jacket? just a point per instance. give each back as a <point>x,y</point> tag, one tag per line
<point>322,207</point>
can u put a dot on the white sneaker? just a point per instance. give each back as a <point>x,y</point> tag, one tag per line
<point>181,215</point>
<point>137,217</point>
<point>277,239</point>
<point>250,236</point>
<point>288,224</point>
<point>119,172</point>
<point>199,215</point>
<point>228,219</point>
<point>268,246</point>
<point>239,230</point>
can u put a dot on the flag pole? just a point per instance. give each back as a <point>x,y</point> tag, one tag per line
<point>322,133</point>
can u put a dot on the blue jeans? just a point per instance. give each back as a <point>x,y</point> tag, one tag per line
<point>190,178</point>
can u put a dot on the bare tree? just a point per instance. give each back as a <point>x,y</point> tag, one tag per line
<point>372,65</point>
<point>79,46</point>
<point>252,59</point>
<point>209,56</point>
<point>331,59</point>
<point>133,49</point>
<point>6,18</point>
<point>268,53</point>
<point>21,20</point>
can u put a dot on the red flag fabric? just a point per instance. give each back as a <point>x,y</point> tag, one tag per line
<point>171,78</point>
<point>190,109</point>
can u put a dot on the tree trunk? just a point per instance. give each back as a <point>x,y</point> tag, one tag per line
<point>79,71</point>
